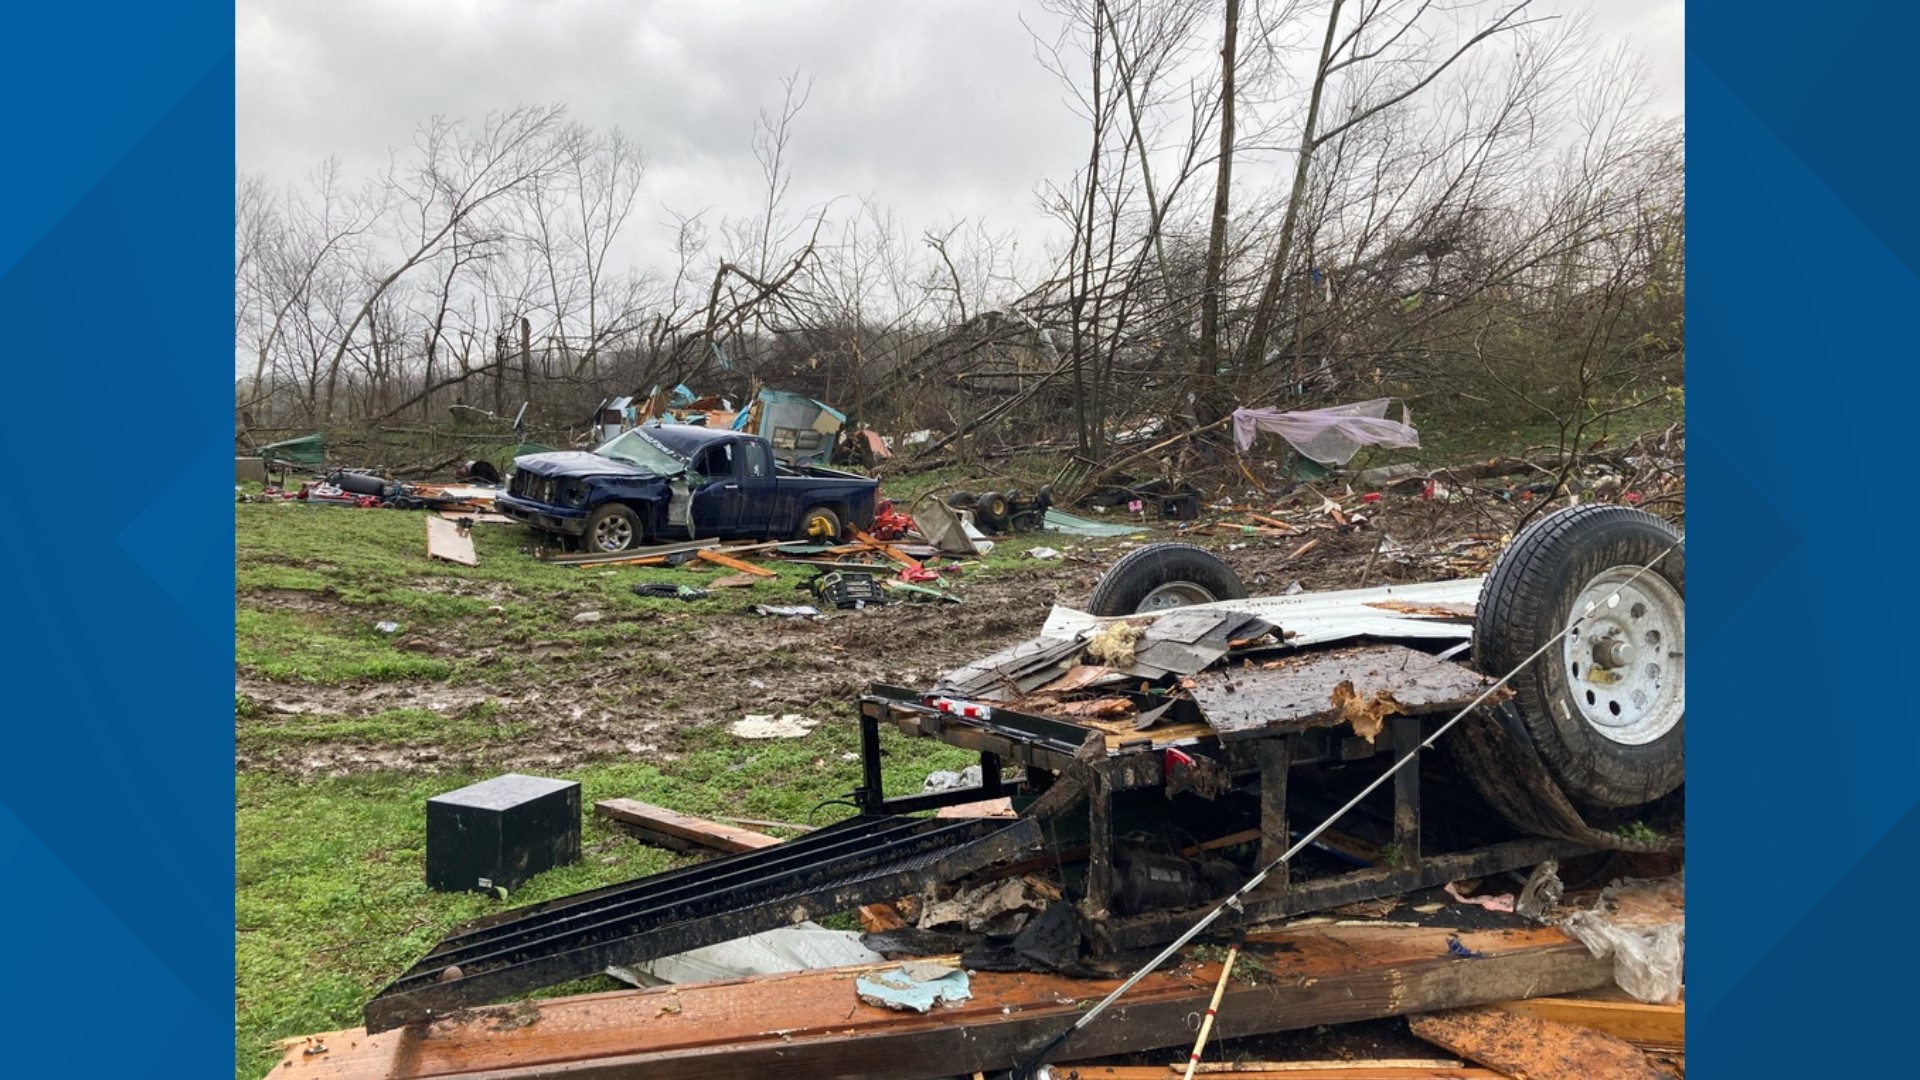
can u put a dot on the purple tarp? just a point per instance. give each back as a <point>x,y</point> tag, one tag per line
<point>1330,436</point>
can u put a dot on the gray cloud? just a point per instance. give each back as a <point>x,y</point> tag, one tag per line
<point>936,108</point>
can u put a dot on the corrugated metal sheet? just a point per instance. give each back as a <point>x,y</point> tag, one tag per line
<point>1318,617</point>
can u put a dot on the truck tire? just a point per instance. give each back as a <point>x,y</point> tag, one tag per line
<point>611,528</point>
<point>819,525</point>
<point>1161,576</point>
<point>1605,706</point>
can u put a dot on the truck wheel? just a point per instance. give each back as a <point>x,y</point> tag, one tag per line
<point>1161,576</point>
<point>1606,704</point>
<point>611,528</point>
<point>820,525</point>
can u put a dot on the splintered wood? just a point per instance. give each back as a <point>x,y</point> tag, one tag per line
<point>1528,1048</point>
<point>1358,686</point>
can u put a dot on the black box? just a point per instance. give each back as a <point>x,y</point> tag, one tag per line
<point>500,832</point>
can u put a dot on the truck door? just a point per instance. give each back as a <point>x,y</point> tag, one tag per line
<point>716,491</point>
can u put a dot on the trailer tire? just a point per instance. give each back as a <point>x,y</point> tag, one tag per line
<point>1166,575</point>
<point>612,528</point>
<point>817,524</point>
<point>1605,706</point>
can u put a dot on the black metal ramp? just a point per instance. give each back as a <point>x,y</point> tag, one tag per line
<point>859,861</point>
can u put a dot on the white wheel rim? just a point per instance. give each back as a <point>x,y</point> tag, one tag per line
<point>1625,662</point>
<point>1175,594</point>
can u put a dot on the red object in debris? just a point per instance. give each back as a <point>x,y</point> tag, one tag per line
<point>889,524</point>
<point>1177,756</point>
<point>917,574</point>
<point>1371,497</point>
<point>1633,497</point>
<point>1426,493</point>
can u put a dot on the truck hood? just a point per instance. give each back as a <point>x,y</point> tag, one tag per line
<point>577,463</point>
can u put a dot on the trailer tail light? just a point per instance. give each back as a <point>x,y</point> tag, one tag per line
<point>966,710</point>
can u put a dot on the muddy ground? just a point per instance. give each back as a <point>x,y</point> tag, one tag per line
<point>657,673</point>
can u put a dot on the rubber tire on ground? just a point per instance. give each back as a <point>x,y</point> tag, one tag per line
<point>611,510</point>
<point>819,513</point>
<point>1140,571</point>
<point>1528,599</point>
<point>992,511</point>
<point>962,500</point>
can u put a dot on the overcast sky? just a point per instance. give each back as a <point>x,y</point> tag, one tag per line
<point>935,108</point>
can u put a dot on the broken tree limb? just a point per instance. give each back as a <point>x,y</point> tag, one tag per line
<point>1104,471</point>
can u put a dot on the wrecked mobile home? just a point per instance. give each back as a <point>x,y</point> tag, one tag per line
<point>1180,763</point>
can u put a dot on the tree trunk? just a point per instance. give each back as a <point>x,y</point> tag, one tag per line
<point>1256,347</point>
<point>1207,363</point>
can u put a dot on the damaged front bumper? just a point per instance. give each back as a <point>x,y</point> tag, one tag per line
<point>542,515</point>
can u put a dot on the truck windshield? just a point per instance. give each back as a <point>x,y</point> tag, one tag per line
<point>635,448</point>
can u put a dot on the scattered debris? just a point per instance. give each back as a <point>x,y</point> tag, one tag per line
<point>1502,902</point>
<point>589,617</point>
<point>769,726</point>
<point>1648,960</point>
<point>665,590</point>
<point>387,626</point>
<point>1541,892</point>
<point>915,987</point>
<point>789,611</point>
<point>448,540</point>
<point>805,946</point>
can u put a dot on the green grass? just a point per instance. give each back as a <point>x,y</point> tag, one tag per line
<point>330,899</point>
<point>312,584</point>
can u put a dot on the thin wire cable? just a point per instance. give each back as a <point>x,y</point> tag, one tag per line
<point>1233,902</point>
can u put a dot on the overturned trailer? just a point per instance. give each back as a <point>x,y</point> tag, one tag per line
<point>1181,735</point>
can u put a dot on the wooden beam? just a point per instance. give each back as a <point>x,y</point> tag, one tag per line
<point>1653,1027</point>
<point>681,832</point>
<point>732,563</point>
<point>812,1024</point>
<point>1298,1070</point>
<point>888,550</point>
<point>1536,1049</point>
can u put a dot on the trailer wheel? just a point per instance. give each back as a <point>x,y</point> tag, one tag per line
<point>611,528</point>
<point>1160,576</point>
<point>819,524</point>
<point>1606,704</point>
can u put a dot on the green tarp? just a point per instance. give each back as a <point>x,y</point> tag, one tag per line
<point>305,450</point>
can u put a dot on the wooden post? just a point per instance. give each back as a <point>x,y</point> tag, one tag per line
<point>1406,792</point>
<point>1276,757</point>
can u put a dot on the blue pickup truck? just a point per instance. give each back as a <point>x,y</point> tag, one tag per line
<point>671,482</point>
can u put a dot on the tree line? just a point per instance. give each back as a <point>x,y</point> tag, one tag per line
<point>1295,203</point>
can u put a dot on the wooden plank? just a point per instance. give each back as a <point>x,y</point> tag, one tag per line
<point>1536,1049</point>
<point>446,540</point>
<point>812,1024</point>
<point>634,560</point>
<point>888,550</point>
<point>1297,1070</point>
<point>1656,1027</point>
<point>681,832</point>
<point>732,563</point>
